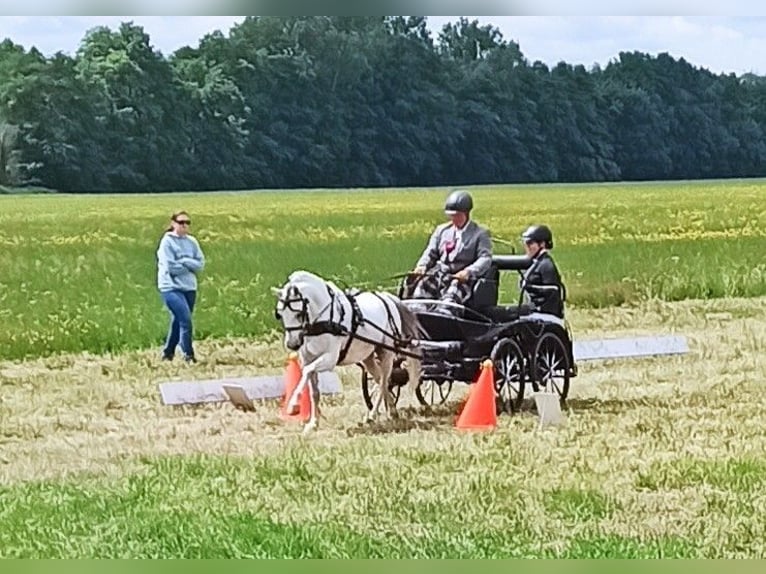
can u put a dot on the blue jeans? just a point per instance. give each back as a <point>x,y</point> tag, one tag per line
<point>181,305</point>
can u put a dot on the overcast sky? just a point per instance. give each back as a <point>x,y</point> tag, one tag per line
<point>719,43</point>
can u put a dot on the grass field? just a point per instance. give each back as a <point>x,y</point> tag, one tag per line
<point>77,272</point>
<point>659,457</point>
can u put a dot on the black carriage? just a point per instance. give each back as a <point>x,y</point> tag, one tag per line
<point>529,350</point>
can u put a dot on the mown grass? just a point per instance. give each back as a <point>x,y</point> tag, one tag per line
<point>77,273</point>
<point>157,513</point>
<point>658,458</point>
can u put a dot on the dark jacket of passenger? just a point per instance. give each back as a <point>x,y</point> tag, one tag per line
<point>542,285</point>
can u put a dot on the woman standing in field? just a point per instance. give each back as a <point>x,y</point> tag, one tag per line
<point>179,259</point>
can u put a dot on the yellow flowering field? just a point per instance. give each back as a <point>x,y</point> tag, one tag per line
<point>659,457</point>
<point>77,273</point>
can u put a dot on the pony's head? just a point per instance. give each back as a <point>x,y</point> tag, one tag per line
<point>299,302</point>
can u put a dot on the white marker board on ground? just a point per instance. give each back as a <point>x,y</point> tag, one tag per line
<point>212,390</point>
<point>630,347</point>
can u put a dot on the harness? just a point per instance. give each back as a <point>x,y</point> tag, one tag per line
<point>337,327</point>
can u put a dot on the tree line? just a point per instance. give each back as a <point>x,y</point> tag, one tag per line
<point>291,102</point>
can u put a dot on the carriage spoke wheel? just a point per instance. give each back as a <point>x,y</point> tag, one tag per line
<point>371,390</point>
<point>431,393</point>
<point>550,366</point>
<point>508,360</point>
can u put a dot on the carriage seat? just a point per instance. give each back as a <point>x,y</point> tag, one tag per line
<point>485,290</point>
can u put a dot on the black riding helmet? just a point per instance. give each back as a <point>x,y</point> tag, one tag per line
<point>458,201</point>
<point>540,234</point>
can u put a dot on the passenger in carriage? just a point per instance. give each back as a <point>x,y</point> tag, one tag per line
<point>458,253</point>
<point>541,283</point>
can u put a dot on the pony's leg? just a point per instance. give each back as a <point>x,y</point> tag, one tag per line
<point>413,374</point>
<point>313,421</point>
<point>386,366</point>
<point>373,368</point>
<point>292,403</point>
<point>321,363</point>
<point>324,362</point>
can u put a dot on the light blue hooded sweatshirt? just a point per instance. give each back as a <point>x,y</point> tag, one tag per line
<point>179,259</point>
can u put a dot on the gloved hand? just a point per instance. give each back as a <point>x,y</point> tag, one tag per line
<point>419,271</point>
<point>462,276</point>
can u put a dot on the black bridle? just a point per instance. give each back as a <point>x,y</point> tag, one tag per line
<point>307,327</point>
<point>293,296</point>
<point>330,326</point>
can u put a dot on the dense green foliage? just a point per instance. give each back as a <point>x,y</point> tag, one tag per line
<point>362,101</point>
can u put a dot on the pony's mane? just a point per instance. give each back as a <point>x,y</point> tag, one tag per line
<point>302,276</point>
<point>307,277</point>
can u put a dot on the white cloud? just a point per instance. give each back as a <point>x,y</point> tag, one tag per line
<point>51,34</point>
<point>720,44</point>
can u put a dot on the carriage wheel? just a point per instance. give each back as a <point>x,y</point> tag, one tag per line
<point>370,390</point>
<point>432,393</point>
<point>550,365</point>
<point>508,360</point>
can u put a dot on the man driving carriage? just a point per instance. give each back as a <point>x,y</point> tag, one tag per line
<point>457,254</point>
<point>541,282</point>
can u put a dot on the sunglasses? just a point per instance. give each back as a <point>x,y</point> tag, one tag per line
<point>183,221</point>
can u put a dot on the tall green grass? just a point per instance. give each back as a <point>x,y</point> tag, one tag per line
<point>156,514</point>
<point>77,273</point>
<point>659,457</point>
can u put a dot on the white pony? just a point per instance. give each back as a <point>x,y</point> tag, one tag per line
<point>329,327</point>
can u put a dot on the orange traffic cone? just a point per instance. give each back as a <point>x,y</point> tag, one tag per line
<point>479,411</point>
<point>292,377</point>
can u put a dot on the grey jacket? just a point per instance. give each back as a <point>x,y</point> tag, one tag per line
<point>179,259</point>
<point>471,249</point>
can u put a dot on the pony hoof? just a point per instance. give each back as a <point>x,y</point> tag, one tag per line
<point>291,409</point>
<point>309,428</point>
<point>394,414</point>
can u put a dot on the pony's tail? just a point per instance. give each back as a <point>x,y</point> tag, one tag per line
<point>411,327</point>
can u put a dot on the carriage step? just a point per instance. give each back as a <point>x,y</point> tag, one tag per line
<point>442,349</point>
